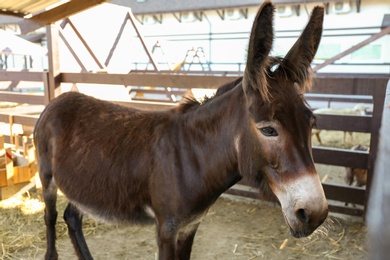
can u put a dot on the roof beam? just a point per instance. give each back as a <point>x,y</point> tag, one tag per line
<point>56,14</point>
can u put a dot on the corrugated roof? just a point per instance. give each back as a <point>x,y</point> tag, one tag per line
<point>38,13</point>
<point>25,7</point>
<point>160,6</point>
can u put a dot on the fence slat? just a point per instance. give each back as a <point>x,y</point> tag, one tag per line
<point>340,157</point>
<point>351,123</point>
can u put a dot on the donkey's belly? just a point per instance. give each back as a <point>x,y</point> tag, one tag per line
<point>102,214</point>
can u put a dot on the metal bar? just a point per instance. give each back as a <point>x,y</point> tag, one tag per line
<point>121,29</point>
<point>86,45</point>
<point>338,98</point>
<point>72,51</point>
<point>383,32</point>
<point>132,18</point>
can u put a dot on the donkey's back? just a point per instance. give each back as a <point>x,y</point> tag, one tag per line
<point>79,137</point>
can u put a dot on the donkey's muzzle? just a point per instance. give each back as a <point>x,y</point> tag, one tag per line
<point>309,219</point>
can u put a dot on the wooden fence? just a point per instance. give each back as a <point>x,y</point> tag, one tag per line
<point>326,87</point>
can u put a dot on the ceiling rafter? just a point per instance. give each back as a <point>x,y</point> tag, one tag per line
<point>58,13</point>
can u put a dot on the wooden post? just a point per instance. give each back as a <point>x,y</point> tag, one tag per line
<point>53,79</point>
<point>379,204</point>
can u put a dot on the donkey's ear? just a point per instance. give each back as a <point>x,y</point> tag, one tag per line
<point>300,56</point>
<point>260,44</point>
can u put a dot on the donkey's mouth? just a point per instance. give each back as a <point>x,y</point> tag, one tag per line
<point>302,231</point>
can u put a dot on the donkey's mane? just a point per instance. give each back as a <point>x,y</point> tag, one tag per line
<point>190,103</point>
<point>278,68</point>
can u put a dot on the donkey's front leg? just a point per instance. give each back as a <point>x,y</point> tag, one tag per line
<point>166,239</point>
<point>185,241</point>
<point>73,219</point>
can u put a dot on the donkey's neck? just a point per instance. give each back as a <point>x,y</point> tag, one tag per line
<point>216,129</point>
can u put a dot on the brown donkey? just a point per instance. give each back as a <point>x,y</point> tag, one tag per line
<point>125,165</point>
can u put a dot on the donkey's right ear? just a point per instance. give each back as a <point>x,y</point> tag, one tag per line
<point>260,44</point>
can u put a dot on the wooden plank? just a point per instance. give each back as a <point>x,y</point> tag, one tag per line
<point>379,101</point>
<point>152,79</point>
<point>378,205</point>
<point>159,91</point>
<point>151,106</point>
<point>21,75</point>
<point>346,210</point>
<point>347,85</point>
<point>351,123</point>
<point>374,37</point>
<point>340,157</point>
<point>344,193</point>
<point>53,79</point>
<point>58,13</point>
<point>21,98</point>
<point>26,120</point>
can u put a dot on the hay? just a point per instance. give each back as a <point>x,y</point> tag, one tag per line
<point>22,228</point>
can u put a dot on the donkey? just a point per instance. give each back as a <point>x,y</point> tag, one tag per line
<point>125,165</point>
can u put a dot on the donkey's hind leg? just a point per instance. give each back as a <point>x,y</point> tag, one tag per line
<point>73,218</point>
<point>49,192</point>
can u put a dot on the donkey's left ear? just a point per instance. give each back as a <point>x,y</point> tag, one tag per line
<point>260,44</point>
<point>298,59</point>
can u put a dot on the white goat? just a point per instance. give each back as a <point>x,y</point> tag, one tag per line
<point>358,109</point>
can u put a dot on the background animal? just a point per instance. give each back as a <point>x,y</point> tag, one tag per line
<point>358,109</point>
<point>359,176</point>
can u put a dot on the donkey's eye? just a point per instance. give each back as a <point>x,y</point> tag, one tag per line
<point>268,131</point>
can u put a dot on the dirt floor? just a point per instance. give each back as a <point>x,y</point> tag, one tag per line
<point>234,228</point>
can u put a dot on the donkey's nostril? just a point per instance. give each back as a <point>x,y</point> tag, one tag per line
<point>302,215</point>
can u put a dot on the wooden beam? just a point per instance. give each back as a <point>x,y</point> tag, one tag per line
<point>21,98</point>
<point>56,14</point>
<point>52,81</point>
<point>340,157</point>
<point>348,194</point>
<point>151,79</point>
<point>379,197</point>
<point>382,33</point>
<point>150,105</point>
<point>22,75</point>
<point>351,123</point>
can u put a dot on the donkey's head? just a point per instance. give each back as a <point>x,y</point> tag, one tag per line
<point>279,148</point>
